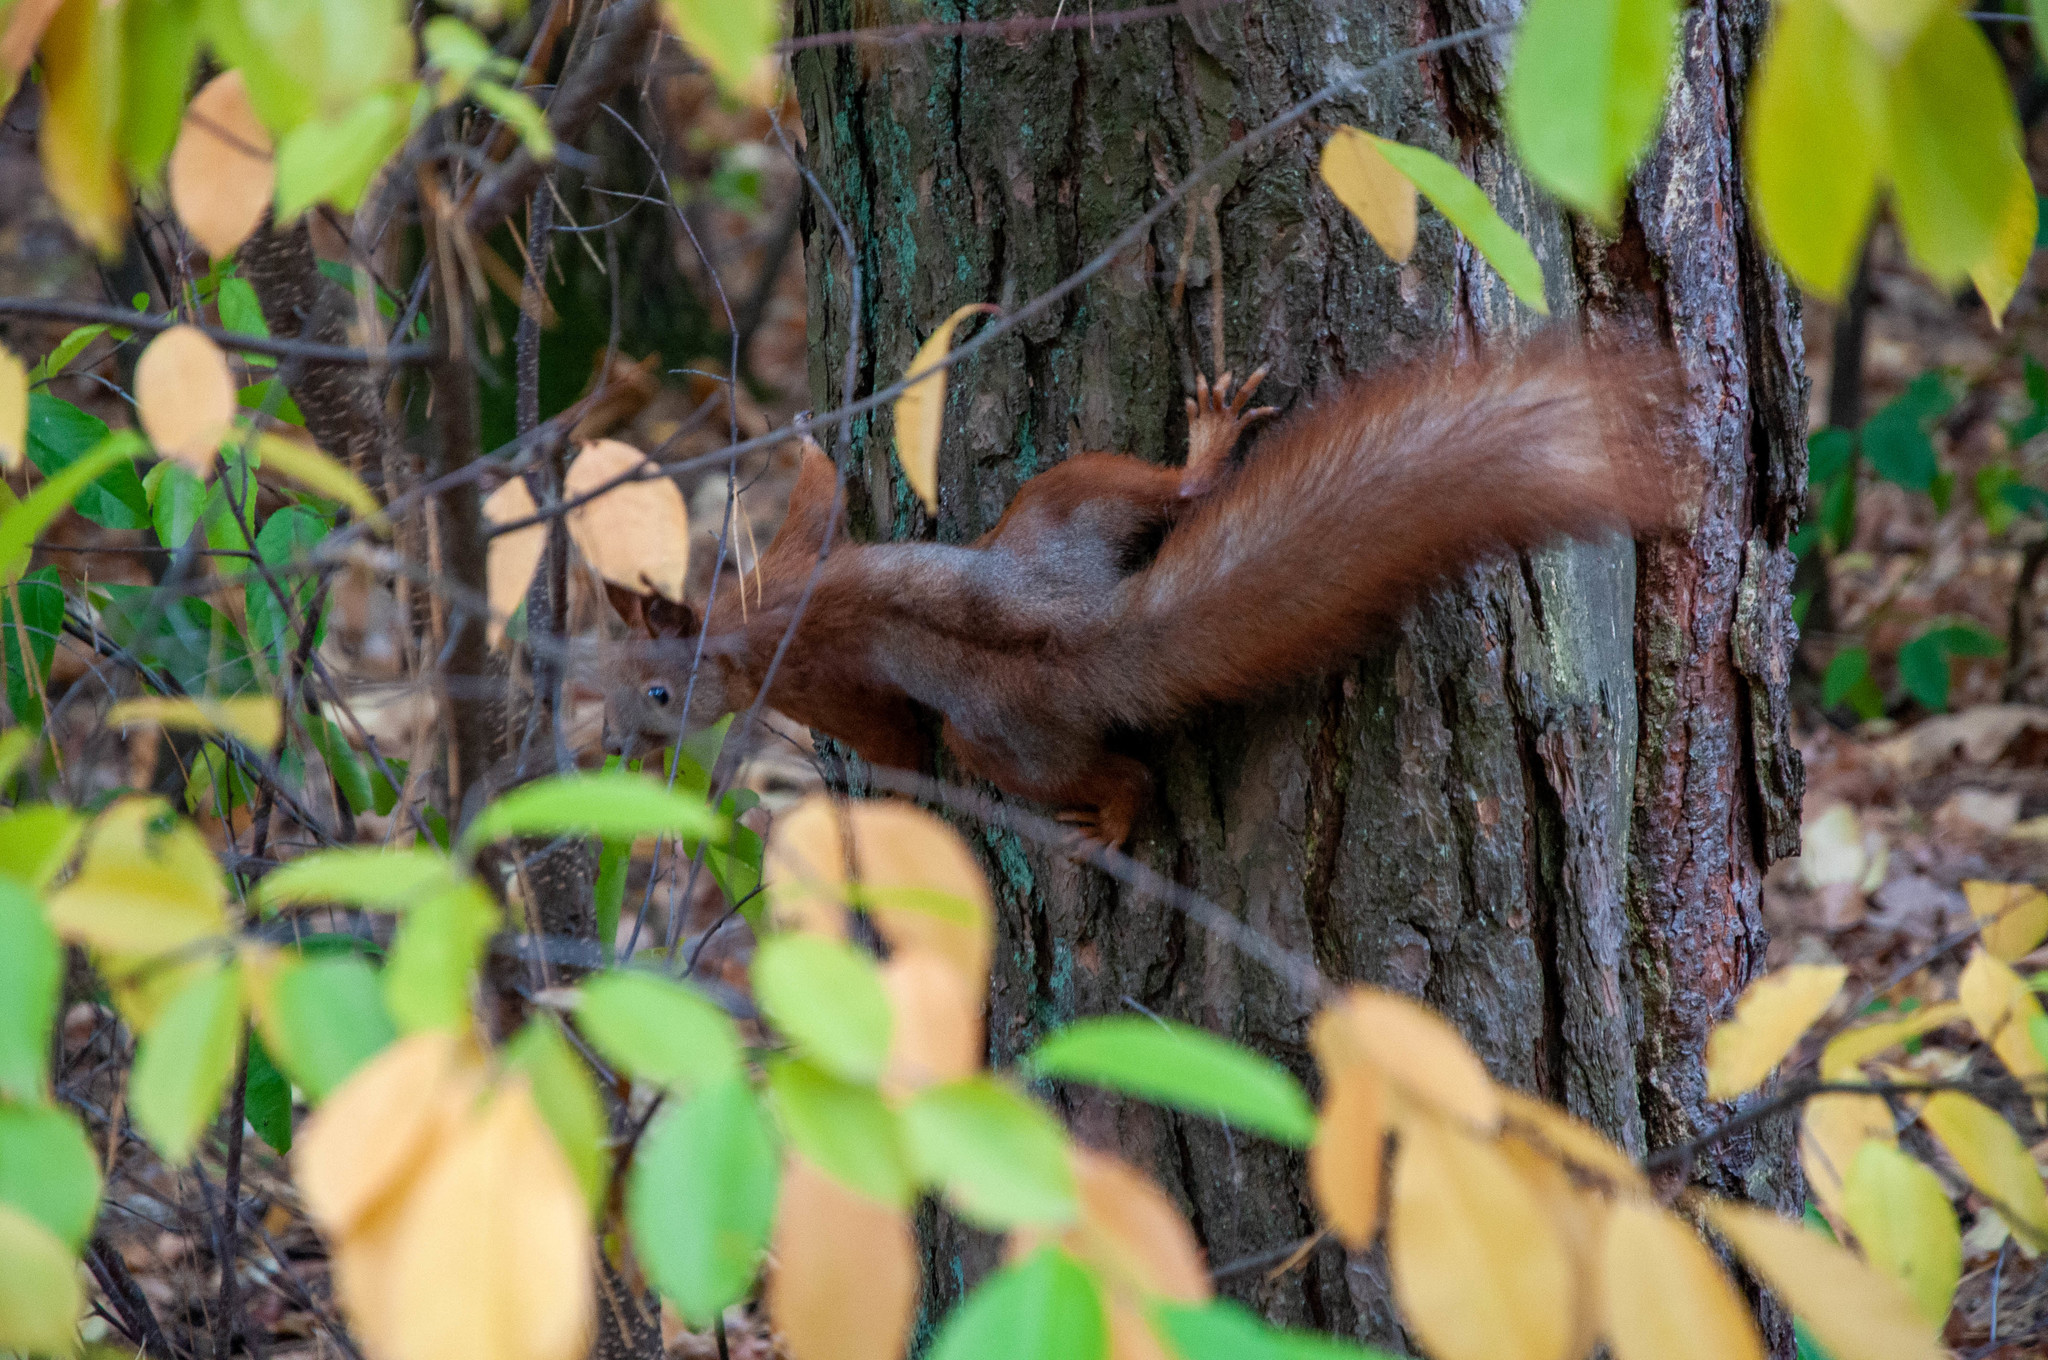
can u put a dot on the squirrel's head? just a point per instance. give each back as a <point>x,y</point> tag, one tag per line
<point>663,686</point>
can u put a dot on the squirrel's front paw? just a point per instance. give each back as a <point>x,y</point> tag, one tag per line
<point>1215,421</point>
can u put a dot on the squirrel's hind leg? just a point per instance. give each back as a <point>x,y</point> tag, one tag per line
<point>1216,420</point>
<point>1100,799</point>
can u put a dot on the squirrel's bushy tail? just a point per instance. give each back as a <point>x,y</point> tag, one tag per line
<point>1340,516</point>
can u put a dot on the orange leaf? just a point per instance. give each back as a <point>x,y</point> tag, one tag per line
<point>221,170</point>
<point>1132,1233</point>
<point>844,1285</point>
<point>1414,1048</point>
<point>185,397</point>
<point>1664,1296</point>
<point>1344,1162</point>
<point>638,533</point>
<point>1378,195</point>
<point>921,409</point>
<point>511,559</point>
<point>936,1034</point>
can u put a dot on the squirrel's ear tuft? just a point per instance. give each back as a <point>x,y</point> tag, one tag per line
<point>631,606</point>
<point>664,618</point>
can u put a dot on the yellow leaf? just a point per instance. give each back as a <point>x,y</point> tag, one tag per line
<point>1344,1161</point>
<point>2002,1008</point>
<point>81,54</point>
<point>134,909</point>
<point>1577,1142</point>
<point>13,410</point>
<point>39,1295</point>
<point>255,719</point>
<point>1580,1218</point>
<point>1664,1296</point>
<point>1993,1158</point>
<point>1132,1234</point>
<point>1832,1130</point>
<point>1814,140</point>
<point>1889,26</point>
<point>321,475</point>
<point>493,1258</point>
<point>1852,1048</point>
<point>638,533</point>
<point>1378,195</point>
<point>921,409</point>
<point>185,397</point>
<point>935,1034</point>
<point>374,1130</point>
<point>1771,1016</point>
<point>221,171</point>
<point>2015,916</point>
<point>829,1301</point>
<point>732,37</point>
<point>511,559</point>
<point>1902,1219</point>
<point>1999,273</point>
<point>1414,1048</point>
<point>913,874</point>
<point>1479,1270</point>
<point>1854,1311</point>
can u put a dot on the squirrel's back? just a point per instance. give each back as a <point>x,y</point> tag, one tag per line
<point>1346,511</point>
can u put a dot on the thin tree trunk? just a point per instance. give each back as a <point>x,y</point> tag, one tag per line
<point>1546,803</point>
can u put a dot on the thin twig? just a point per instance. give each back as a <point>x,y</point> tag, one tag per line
<point>86,314</point>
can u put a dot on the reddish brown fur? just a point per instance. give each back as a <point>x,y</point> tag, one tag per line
<point>1117,594</point>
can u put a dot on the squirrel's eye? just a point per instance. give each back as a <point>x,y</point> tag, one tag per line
<point>658,693</point>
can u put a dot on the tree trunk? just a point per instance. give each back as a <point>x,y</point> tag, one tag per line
<point>1546,803</point>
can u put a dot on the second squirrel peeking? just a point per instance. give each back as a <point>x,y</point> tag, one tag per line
<point>1117,595</point>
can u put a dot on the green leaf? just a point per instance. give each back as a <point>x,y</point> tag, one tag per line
<point>286,539</point>
<point>1587,92</point>
<point>567,1099</point>
<point>605,804</point>
<point>1830,452</point>
<point>20,526</point>
<point>333,160</point>
<point>845,1130</point>
<point>1924,662</point>
<point>826,996</point>
<point>658,1031</point>
<point>48,1170</point>
<point>59,435</point>
<point>267,1099</point>
<point>182,1066</point>
<point>434,958</point>
<point>177,499</point>
<point>1181,1066</point>
<point>520,113</point>
<point>344,767</point>
<point>15,745</point>
<point>701,1199</point>
<point>1900,1213</point>
<point>161,38</point>
<point>39,1292</point>
<point>1225,1330</point>
<point>1896,439</point>
<point>1848,681</point>
<point>1044,1307</point>
<point>361,875</point>
<point>1954,145</point>
<point>1001,1158</point>
<point>1815,135</point>
<point>36,841</point>
<point>614,858</point>
<point>327,1018</point>
<point>1462,201</point>
<point>729,36</point>
<point>41,619</point>
<point>69,348</point>
<point>31,974</point>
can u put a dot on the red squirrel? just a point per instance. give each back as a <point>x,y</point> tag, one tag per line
<point>1117,595</point>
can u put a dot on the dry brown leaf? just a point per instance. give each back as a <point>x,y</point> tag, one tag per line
<point>1132,1233</point>
<point>1479,1269</point>
<point>1414,1048</point>
<point>13,410</point>
<point>185,397</point>
<point>511,559</point>
<point>1856,1312</point>
<point>2015,916</point>
<point>1771,1016</point>
<point>1345,1161</point>
<point>1378,195</point>
<point>637,534</point>
<point>221,170</point>
<point>828,1300</point>
<point>922,407</point>
<point>373,1132</point>
<point>1664,1296</point>
<point>494,1256</point>
<point>936,1031</point>
<point>1832,1127</point>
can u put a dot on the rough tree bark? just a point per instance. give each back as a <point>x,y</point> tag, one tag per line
<point>1547,803</point>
